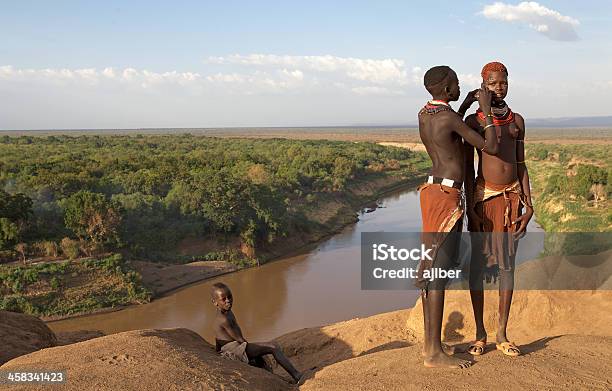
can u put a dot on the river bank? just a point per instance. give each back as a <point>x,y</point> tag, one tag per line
<point>332,214</point>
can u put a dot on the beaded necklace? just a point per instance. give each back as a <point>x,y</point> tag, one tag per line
<point>435,107</point>
<point>501,115</point>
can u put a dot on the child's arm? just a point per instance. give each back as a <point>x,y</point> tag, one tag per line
<point>232,329</point>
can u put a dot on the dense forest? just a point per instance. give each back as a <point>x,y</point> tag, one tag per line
<point>78,196</point>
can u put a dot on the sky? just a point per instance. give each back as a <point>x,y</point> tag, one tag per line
<point>146,64</point>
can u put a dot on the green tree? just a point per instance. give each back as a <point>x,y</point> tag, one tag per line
<point>15,211</point>
<point>586,176</point>
<point>91,216</point>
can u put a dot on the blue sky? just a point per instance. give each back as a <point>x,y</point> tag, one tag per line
<point>237,63</point>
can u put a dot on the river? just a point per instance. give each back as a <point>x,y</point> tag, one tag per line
<point>318,287</point>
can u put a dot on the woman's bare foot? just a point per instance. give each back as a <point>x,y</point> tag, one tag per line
<point>448,349</point>
<point>442,360</point>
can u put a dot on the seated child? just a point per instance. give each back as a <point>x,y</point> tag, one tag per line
<point>230,342</point>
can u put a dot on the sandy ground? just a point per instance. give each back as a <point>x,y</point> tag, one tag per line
<point>570,362</point>
<point>565,337</point>
<point>417,146</point>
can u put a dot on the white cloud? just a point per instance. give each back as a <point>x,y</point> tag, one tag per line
<point>543,20</point>
<point>470,80</point>
<point>381,71</point>
<point>91,76</point>
<point>295,74</point>
<point>259,82</point>
<point>417,75</point>
<point>241,75</point>
<point>226,78</point>
<point>376,90</point>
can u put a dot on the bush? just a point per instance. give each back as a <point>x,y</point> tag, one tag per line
<point>376,167</point>
<point>556,184</point>
<point>45,248</point>
<point>50,248</point>
<point>70,248</point>
<point>113,263</point>
<point>54,282</point>
<point>17,279</point>
<point>586,176</point>
<point>393,164</point>
<point>541,154</point>
<point>17,304</point>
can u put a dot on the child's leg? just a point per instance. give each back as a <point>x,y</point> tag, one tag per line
<point>254,350</point>
<point>260,362</point>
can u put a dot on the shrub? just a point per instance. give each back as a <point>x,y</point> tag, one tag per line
<point>54,282</point>
<point>393,164</point>
<point>50,248</point>
<point>556,184</point>
<point>586,176</point>
<point>70,248</point>
<point>17,304</point>
<point>541,154</point>
<point>22,248</point>
<point>113,263</point>
<point>376,167</point>
<point>45,248</point>
<point>258,174</point>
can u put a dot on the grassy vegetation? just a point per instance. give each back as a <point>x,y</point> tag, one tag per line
<point>70,287</point>
<point>572,184</point>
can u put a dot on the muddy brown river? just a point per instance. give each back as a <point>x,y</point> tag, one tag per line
<point>318,287</point>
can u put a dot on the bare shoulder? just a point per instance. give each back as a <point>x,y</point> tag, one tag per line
<point>221,319</point>
<point>447,118</point>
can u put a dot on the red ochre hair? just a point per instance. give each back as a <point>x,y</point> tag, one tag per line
<point>493,67</point>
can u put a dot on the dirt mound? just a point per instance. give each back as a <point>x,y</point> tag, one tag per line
<point>533,314</point>
<point>322,346</point>
<point>566,362</point>
<point>169,359</point>
<point>22,334</point>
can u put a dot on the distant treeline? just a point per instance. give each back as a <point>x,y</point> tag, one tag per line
<point>72,196</point>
